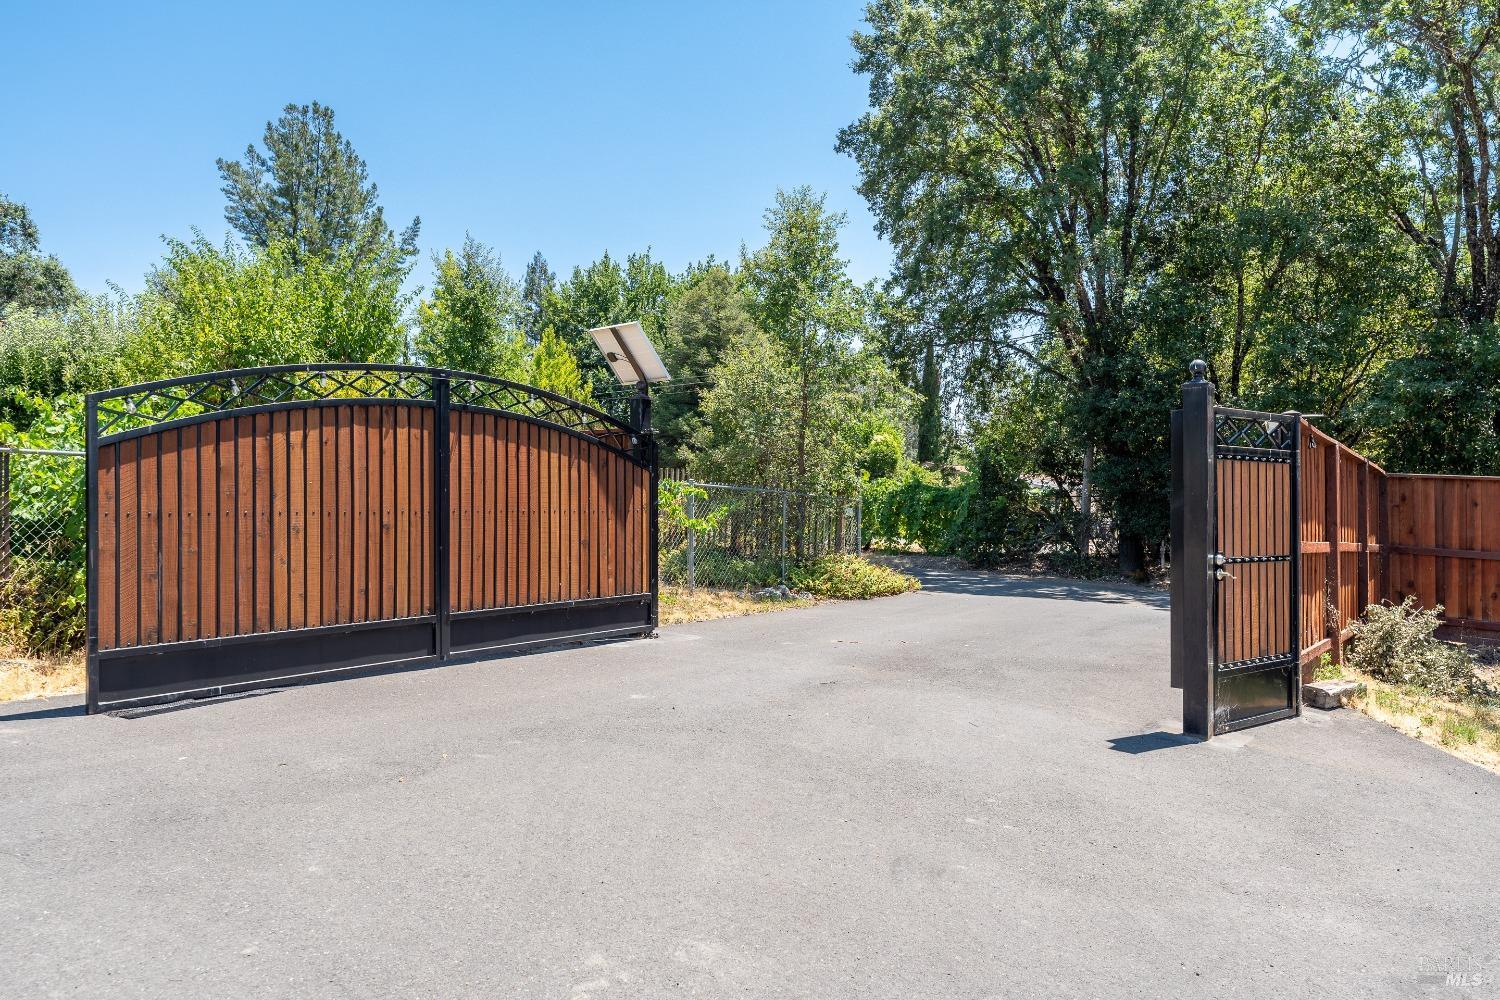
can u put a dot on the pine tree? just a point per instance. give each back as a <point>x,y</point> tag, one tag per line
<point>310,189</point>
<point>535,287</point>
<point>472,322</point>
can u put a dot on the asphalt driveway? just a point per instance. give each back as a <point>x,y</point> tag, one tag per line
<point>971,791</point>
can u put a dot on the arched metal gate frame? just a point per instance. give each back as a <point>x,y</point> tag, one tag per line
<point>268,526</point>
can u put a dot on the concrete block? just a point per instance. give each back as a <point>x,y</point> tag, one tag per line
<point>1330,694</point>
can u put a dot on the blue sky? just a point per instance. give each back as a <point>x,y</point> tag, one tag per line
<point>566,127</point>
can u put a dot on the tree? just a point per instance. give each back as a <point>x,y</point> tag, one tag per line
<point>1040,169</point>
<point>604,292</point>
<point>703,324</point>
<point>791,407</point>
<point>800,293</point>
<point>474,319</point>
<point>537,285</point>
<point>28,279</point>
<point>311,191</point>
<point>56,354</point>
<point>209,308</point>
<point>1426,79</point>
<point>550,364</point>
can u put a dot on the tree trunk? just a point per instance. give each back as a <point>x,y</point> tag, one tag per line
<point>1133,556</point>
<point>1086,503</point>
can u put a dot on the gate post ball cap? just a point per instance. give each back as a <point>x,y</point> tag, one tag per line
<point>1199,369</point>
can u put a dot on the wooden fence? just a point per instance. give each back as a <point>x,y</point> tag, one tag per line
<point>1368,536</point>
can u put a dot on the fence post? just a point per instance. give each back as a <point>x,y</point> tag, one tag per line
<point>1362,519</point>
<point>1333,575</point>
<point>692,545</point>
<point>5,554</point>
<point>783,535</point>
<point>1193,582</point>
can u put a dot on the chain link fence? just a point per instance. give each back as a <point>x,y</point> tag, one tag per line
<point>42,550</point>
<point>734,537</point>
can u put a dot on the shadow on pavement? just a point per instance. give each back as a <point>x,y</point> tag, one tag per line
<point>56,712</point>
<point>1146,742</point>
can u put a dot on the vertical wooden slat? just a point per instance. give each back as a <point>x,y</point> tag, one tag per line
<point>170,500</point>
<point>150,539</point>
<point>484,502</point>
<point>190,489</point>
<point>1489,518</point>
<point>544,515</point>
<point>338,588</point>
<point>1333,566</point>
<point>316,571</point>
<point>296,520</point>
<point>529,546</point>
<point>555,528</point>
<point>261,473</point>
<point>587,478</point>
<point>487,441</point>
<point>208,528</point>
<point>229,526</point>
<point>508,471</point>
<point>359,474</point>
<point>388,564</point>
<point>129,569</point>
<point>278,516</point>
<point>347,530</point>
<point>400,566</point>
<point>573,528</point>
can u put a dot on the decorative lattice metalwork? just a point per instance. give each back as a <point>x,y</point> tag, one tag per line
<point>523,400</point>
<point>143,406</point>
<point>1267,432</point>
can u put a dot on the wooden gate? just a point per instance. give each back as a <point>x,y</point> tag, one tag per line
<point>1236,562</point>
<point>267,526</point>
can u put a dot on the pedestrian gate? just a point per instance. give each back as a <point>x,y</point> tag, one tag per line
<point>1236,537</point>
<point>266,526</point>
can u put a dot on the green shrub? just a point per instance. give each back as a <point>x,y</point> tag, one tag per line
<point>1327,670</point>
<point>1397,644</point>
<point>717,567</point>
<point>914,506</point>
<point>884,454</point>
<point>847,577</point>
<point>43,606</point>
<point>42,576</point>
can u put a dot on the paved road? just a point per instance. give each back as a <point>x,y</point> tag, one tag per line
<point>963,792</point>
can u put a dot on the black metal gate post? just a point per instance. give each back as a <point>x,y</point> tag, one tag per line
<point>647,448</point>
<point>1192,552</point>
<point>442,592</point>
<point>91,554</point>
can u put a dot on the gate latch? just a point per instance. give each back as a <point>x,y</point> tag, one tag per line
<point>1220,573</point>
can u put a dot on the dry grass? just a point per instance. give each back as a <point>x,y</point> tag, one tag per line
<point>679,605</point>
<point>23,678</point>
<point>1469,730</point>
